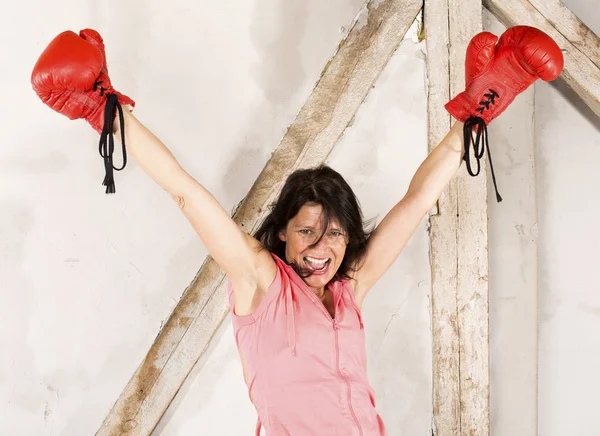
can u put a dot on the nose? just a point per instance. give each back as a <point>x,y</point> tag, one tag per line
<point>323,243</point>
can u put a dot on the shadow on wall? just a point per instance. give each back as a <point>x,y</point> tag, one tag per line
<point>207,383</point>
<point>569,94</point>
<point>279,74</point>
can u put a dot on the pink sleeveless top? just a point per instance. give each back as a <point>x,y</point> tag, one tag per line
<point>306,372</point>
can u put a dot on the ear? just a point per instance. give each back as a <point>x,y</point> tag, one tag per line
<point>282,235</point>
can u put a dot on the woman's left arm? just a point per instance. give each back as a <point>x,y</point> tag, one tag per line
<point>395,230</point>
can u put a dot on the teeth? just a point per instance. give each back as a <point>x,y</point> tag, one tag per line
<point>316,261</point>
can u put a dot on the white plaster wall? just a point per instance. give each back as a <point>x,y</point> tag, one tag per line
<point>86,280</point>
<point>544,298</point>
<point>569,307</point>
<point>568,180</point>
<point>513,255</point>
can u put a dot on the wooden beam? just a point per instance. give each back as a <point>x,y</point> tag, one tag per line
<point>472,236</point>
<point>444,325</point>
<point>581,46</point>
<point>343,85</point>
<point>458,241</point>
<point>571,27</point>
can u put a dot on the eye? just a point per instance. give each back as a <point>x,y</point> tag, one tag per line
<point>305,231</point>
<point>336,233</point>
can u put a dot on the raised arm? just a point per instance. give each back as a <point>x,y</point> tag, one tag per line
<point>240,255</point>
<point>71,77</point>
<point>497,70</point>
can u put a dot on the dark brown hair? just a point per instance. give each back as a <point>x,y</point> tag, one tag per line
<point>325,187</point>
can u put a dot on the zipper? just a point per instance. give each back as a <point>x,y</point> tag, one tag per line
<point>360,432</point>
<point>336,328</point>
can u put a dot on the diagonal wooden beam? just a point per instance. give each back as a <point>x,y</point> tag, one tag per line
<point>571,27</point>
<point>459,258</point>
<point>343,85</point>
<point>580,45</point>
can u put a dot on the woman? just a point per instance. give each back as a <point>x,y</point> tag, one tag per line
<point>297,286</point>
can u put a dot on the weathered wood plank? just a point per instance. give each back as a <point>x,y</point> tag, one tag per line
<point>446,385</point>
<point>571,27</point>
<point>580,45</point>
<point>344,84</point>
<point>472,296</point>
<point>459,241</point>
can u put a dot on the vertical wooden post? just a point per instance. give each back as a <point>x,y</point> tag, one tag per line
<point>460,310</point>
<point>446,385</point>
<point>472,236</point>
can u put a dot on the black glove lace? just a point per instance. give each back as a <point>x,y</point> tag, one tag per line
<point>107,142</point>
<point>480,143</point>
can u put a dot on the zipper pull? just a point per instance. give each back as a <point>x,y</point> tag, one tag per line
<point>336,326</point>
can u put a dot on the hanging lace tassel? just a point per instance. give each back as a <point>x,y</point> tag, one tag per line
<point>107,142</point>
<point>480,143</point>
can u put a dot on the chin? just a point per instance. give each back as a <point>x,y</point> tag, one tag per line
<point>318,281</point>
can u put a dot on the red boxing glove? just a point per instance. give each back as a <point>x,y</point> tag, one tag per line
<point>495,75</point>
<point>71,77</point>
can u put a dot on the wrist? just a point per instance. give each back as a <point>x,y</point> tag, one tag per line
<point>127,116</point>
<point>455,138</point>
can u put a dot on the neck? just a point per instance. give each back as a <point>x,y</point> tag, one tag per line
<point>320,292</point>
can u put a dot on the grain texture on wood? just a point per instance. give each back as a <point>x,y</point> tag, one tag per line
<point>460,310</point>
<point>446,385</point>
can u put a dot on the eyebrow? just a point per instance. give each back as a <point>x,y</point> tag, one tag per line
<point>332,228</point>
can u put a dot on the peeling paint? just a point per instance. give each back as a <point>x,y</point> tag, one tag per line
<point>362,18</point>
<point>47,411</point>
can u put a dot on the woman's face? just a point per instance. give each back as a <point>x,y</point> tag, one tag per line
<point>321,261</point>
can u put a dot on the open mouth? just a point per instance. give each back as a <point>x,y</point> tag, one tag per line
<point>317,265</point>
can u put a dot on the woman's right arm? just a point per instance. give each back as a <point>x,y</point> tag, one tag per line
<point>249,267</point>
